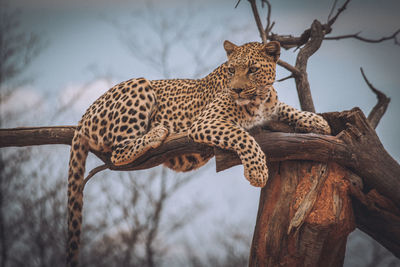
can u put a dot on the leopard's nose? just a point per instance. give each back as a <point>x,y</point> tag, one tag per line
<point>237,90</point>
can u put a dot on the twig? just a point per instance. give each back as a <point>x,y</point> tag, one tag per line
<point>286,78</point>
<point>237,3</point>
<point>93,172</point>
<point>295,71</point>
<point>379,109</point>
<point>258,21</point>
<point>340,10</point>
<point>289,41</point>
<point>332,9</point>
<point>269,26</point>
<point>356,36</point>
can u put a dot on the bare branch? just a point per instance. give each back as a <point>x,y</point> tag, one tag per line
<point>367,40</point>
<point>302,84</point>
<point>286,78</point>
<point>269,26</point>
<point>258,21</point>
<point>237,3</point>
<point>289,41</point>
<point>93,172</point>
<point>33,136</point>
<point>365,156</point>
<point>295,71</point>
<point>379,109</point>
<point>373,210</point>
<point>332,9</point>
<point>340,10</point>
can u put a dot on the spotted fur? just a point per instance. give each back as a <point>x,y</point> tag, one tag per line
<point>217,110</point>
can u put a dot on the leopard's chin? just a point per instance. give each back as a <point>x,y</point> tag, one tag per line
<point>242,101</point>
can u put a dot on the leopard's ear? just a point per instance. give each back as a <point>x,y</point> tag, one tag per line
<point>229,47</point>
<point>273,49</point>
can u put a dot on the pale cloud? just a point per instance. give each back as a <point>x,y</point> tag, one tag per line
<point>78,97</point>
<point>23,107</point>
<point>22,99</point>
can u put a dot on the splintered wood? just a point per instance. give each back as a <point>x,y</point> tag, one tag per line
<point>305,215</point>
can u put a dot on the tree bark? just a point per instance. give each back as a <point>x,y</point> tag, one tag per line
<point>378,217</point>
<point>302,84</point>
<point>34,136</point>
<point>304,217</point>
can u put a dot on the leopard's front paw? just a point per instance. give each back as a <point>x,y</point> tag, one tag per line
<point>257,175</point>
<point>321,126</point>
<point>316,124</point>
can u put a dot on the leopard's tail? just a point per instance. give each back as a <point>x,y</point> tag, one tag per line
<point>79,152</point>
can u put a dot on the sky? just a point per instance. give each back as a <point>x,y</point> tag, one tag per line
<point>91,45</point>
<point>82,40</point>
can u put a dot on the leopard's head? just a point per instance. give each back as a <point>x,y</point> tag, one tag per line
<point>251,70</point>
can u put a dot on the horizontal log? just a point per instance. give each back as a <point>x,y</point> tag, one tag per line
<point>36,136</point>
<point>355,146</point>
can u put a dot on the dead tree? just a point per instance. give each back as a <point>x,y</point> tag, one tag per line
<point>306,210</point>
<point>320,187</point>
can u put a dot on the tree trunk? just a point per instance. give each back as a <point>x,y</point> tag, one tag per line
<point>305,215</point>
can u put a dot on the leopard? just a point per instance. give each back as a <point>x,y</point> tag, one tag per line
<point>218,110</point>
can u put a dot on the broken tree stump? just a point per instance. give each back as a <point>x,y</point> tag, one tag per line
<point>305,215</point>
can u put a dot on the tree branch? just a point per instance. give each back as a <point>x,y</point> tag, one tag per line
<point>258,21</point>
<point>379,109</point>
<point>289,41</point>
<point>295,71</point>
<point>340,10</point>
<point>270,25</point>
<point>34,136</point>
<point>332,9</point>
<point>371,211</point>
<point>302,84</point>
<point>286,78</point>
<point>356,146</point>
<point>238,2</point>
<point>367,40</point>
<point>93,172</point>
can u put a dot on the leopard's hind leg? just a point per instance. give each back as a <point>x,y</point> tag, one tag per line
<point>188,162</point>
<point>133,133</point>
<point>130,149</point>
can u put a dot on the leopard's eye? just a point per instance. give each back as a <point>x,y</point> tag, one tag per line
<point>231,70</point>
<point>253,69</point>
